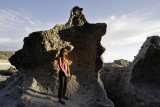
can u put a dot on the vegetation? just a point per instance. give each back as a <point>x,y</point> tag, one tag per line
<point>6,54</point>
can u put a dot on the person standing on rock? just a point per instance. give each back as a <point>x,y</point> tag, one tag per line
<point>64,73</point>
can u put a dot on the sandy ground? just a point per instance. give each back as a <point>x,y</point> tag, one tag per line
<point>3,78</point>
<point>4,65</point>
<point>4,61</point>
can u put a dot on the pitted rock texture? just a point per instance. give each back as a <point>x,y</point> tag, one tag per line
<point>37,82</point>
<point>136,85</point>
<point>146,65</point>
<point>118,88</point>
<point>145,73</point>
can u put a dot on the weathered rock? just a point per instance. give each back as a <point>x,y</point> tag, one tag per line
<point>121,63</point>
<point>146,65</point>
<point>117,63</point>
<point>37,84</point>
<point>146,68</point>
<point>118,88</point>
<point>137,84</point>
<point>149,103</point>
<point>9,71</point>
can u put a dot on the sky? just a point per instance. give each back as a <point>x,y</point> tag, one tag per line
<point>129,22</point>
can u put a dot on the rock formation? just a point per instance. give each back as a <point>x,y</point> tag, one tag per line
<point>121,63</point>
<point>136,85</point>
<point>9,71</point>
<point>146,65</point>
<point>37,82</point>
<point>116,63</point>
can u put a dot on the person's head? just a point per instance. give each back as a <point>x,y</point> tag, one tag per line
<point>63,52</point>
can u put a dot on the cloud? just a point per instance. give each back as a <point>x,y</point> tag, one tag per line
<point>130,28</point>
<point>112,17</point>
<point>110,56</point>
<point>30,20</point>
<point>126,33</point>
<point>10,44</point>
<point>8,19</point>
<point>15,25</point>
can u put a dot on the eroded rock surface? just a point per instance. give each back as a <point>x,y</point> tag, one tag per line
<point>37,82</point>
<point>146,65</point>
<point>116,63</point>
<point>117,85</point>
<point>145,73</point>
<point>121,63</point>
<point>136,85</point>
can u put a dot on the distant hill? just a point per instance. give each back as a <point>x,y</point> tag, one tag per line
<point>6,54</point>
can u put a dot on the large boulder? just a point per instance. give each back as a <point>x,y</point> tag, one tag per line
<point>146,65</point>
<point>116,83</point>
<point>145,71</point>
<point>136,85</point>
<point>37,82</point>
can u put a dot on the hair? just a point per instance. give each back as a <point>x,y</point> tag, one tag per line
<point>61,53</point>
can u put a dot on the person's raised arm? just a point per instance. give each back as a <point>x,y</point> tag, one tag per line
<point>60,64</point>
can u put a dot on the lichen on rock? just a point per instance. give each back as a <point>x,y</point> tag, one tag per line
<point>38,63</point>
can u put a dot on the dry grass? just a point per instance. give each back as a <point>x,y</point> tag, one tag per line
<point>6,54</point>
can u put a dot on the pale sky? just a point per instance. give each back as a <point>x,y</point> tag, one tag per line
<point>129,22</point>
